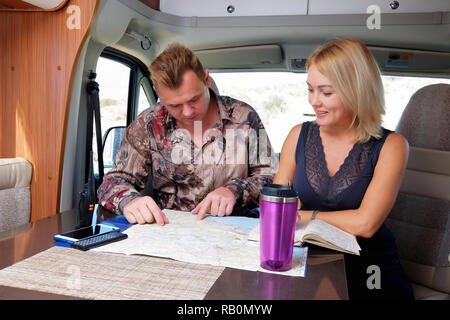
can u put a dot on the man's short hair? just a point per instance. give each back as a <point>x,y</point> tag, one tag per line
<point>168,68</point>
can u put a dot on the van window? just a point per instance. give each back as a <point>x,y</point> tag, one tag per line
<point>113,78</point>
<point>398,91</point>
<point>281,98</point>
<point>125,91</point>
<point>143,100</point>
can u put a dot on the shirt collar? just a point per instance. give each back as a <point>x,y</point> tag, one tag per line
<point>225,112</point>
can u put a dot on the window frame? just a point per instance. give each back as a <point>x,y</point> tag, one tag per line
<point>139,73</point>
<point>139,76</point>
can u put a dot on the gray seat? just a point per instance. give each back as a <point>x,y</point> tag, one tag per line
<point>15,198</point>
<point>420,217</point>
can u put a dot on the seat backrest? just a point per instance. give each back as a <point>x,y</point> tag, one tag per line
<point>15,198</point>
<point>420,217</point>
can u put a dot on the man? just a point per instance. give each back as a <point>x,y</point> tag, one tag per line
<point>203,152</point>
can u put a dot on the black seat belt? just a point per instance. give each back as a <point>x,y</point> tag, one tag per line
<point>94,112</point>
<point>88,196</point>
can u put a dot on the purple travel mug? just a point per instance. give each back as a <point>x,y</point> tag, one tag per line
<point>277,218</point>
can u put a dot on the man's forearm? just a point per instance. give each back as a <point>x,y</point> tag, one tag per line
<point>115,192</point>
<point>247,190</point>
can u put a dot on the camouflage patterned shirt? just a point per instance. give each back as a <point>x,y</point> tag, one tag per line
<point>236,153</point>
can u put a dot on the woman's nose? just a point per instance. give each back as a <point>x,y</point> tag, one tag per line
<point>314,99</point>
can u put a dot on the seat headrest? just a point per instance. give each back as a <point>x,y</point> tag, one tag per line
<point>14,173</point>
<point>425,122</point>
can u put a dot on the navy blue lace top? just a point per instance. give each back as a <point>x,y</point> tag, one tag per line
<point>345,190</point>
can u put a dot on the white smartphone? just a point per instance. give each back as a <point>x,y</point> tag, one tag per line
<point>83,233</point>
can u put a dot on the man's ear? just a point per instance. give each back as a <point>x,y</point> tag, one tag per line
<point>207,79</point>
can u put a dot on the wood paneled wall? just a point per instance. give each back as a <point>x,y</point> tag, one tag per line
<point>38,55</point>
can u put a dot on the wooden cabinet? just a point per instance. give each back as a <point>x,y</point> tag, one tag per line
<point>228,8</point>
<point>207,8</point>
<point>39,55</point>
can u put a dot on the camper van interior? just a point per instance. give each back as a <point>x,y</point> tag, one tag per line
<point>61,58</point>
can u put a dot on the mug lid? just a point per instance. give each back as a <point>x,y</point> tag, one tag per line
<point>278,190</point>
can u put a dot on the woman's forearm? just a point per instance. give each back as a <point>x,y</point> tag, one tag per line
<point>351,221</point>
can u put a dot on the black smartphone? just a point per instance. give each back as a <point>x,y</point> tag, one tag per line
<point>83,233</point>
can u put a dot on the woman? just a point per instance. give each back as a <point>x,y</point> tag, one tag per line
<point>345,167</point>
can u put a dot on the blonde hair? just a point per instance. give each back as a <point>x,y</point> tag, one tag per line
<point>168,68</point>
<point>354,74</point>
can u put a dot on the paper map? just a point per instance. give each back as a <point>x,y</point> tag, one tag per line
<point>218,241</point>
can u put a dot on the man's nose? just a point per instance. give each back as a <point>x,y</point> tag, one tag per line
<point>188,111</point>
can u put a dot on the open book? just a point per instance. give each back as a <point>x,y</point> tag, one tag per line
<point>322,234</point>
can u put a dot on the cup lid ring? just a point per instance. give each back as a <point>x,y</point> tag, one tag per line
<point>278,199</point>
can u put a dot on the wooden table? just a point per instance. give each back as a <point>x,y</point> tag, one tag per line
<point>325,272</point>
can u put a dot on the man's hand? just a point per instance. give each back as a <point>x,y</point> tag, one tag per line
<point>219,202</point>
<point>144,210</point>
